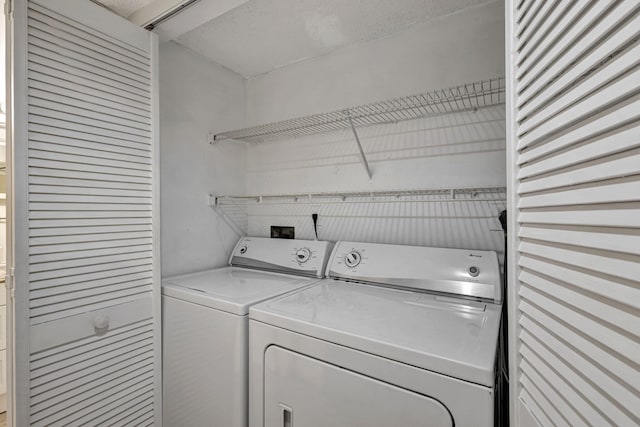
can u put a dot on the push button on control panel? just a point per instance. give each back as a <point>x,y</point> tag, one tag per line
<point>352,259</point>
<point>243,250</point>
<point>473,271</point>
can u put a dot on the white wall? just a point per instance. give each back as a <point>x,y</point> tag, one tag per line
<point>197,96</point>
<point>460,48</point>
<point>456,150</point>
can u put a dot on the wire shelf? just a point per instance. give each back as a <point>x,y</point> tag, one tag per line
<point>470,96</point>
<point>451,194</point>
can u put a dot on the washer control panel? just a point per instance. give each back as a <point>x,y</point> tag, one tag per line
<point>305,257</point>
<point>450,271</point>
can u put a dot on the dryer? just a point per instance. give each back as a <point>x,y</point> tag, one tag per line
<point>396,336</point>
<point>205,327</point>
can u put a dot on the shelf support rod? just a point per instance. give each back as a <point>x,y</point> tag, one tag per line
<point>216,205</point>
<point>363,157</point>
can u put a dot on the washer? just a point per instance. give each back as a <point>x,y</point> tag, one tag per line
<point>398,336</point>
<point>205,327</point>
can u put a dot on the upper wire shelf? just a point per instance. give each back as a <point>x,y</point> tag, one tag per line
<point>470,96</point>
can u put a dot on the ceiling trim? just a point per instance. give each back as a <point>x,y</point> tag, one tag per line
<point>194,16</point>
<point>157,10</point>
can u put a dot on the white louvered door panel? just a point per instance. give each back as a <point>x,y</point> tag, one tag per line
<point>575,212</point>
<point>85,212</point>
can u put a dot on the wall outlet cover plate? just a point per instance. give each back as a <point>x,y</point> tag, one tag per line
<point>283,232</point>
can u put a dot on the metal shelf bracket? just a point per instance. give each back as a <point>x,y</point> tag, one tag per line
<point>363,157</point>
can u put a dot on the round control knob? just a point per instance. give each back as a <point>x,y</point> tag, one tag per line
<point>352,259</point>
<point>473,271</point>
<point>303,255</point>
<point>243,250</point>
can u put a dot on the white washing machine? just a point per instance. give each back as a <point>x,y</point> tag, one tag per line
<point>418,351</point>
<point>205,327</point>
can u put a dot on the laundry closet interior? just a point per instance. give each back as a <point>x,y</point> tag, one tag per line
<point>379,122</point>
<point>416,76</point>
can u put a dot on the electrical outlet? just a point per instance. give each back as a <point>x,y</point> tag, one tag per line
<point>283,232</point>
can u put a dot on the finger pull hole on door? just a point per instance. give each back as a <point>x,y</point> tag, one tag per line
<point>287,416</point>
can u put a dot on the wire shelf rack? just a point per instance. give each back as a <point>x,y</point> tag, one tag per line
<point>470,96</point>
<point>451,194</point>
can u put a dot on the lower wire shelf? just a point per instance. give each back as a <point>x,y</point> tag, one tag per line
<point>484,194</point>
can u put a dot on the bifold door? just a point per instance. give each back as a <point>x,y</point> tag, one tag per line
<point>574,112</point>
<point>84,209</point>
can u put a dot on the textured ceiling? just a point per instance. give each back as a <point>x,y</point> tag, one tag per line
<point>124,8</point>
<point>262,35</point>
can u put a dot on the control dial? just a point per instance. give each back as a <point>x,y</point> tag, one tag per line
<point>303,255</point>
<point>352,259</point>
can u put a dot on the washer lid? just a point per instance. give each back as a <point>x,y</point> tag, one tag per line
<point>232,289</point>
<point>452,336</point>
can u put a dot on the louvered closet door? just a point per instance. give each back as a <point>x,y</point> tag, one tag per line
<point>87,306</point>
<point>575,146</point>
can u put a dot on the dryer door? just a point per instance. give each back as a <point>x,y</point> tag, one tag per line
<point>305,392</point>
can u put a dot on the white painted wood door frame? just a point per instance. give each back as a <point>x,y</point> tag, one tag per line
<point>511,256</point>
<point>106,27</point>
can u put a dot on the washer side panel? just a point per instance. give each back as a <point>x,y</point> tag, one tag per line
<point>203,379</point>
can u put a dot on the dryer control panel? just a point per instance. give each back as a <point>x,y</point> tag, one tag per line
<point>460,272</point>
<point>302,257</point>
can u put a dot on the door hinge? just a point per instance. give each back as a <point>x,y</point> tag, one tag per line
<point>9,280</point>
